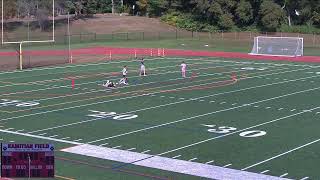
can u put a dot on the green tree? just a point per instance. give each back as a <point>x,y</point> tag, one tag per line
<point>272,16</point>
<point>244,13</point>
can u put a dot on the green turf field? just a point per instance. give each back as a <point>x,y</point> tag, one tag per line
<point>265,121</point>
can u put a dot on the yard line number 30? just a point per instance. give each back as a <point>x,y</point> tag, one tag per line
<point>226,129</point>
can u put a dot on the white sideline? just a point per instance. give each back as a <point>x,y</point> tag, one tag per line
<point>40,137</point>
<point>167,164</point>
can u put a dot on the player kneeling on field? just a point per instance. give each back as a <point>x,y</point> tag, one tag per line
<point>109,84</point>
<point>123,81</point>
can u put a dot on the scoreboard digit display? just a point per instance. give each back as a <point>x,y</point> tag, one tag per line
<point>27,160</point>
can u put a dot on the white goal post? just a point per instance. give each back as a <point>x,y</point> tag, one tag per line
<point>23,41</point>
<point>277,46</point>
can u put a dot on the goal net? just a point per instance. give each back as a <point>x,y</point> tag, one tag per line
<point>278,46</point>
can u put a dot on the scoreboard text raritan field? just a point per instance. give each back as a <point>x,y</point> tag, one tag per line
<point>27,160</point>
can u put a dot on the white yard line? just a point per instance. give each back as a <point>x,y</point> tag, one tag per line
<point>176,156</point>
<point>130,149</point>
<point>265,171</point>
<point>202,115</point>
<point>283,175</point>
<point>145,151</point>
<point>40,137</point>
<point>305,178</point>
<point>209,162</point>
<point>282,154</point>
<point>192,159</point>
<point>227,165</point>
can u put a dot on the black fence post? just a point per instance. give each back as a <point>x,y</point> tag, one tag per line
<point>127,36</point>
<point>80,37</point>
<point>142,35</point>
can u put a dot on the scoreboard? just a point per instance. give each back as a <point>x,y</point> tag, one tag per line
<point>27,160</point>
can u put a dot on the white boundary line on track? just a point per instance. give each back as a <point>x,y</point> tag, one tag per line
<point>202,115</point>
<point>282,154</point>
<point>56,110</point>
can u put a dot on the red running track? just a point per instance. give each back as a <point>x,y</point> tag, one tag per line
<point>154,52</point>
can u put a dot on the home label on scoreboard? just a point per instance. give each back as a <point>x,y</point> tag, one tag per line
<point>27,160</point>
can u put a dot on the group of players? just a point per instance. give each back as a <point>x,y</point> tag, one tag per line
<point>124,79</point>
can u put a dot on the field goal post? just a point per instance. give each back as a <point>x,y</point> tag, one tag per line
<point>21,42</point>
<point>277,46</point>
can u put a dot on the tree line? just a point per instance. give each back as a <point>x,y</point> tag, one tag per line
<point>209,15</point>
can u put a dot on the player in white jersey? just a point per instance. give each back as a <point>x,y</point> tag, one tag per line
<point>124,71</point>
<point>142,68</point>
<point>183,69</point>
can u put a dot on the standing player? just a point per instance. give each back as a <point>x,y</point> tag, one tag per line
<point>124,79</point>
<point>183,69</point>
<point>142,68</point>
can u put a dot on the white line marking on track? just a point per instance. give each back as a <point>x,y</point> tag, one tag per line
<point>130,149</point>
<point>41,134</point>
<point>192,159</point>
<point>227,165</point>
<point>9,129</point>
<point>256,106</point>
<point>77,140</point>
<point>12,141</point>
<point>20,130</point>
<point>223,102</point>
<point>282,154</point>
<point>65,138</point>
<point>145,151</point>
<point>265,171</point>
<point>209,162</point>
<point>176,156</point>
<point>212,101</point>
<point>292,110</point>
<point>206,114</point>
<point>280,109</point>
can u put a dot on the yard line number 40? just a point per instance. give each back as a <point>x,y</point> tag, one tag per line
<point>227,129</point>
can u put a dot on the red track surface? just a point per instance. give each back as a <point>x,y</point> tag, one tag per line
<point>154,52</point>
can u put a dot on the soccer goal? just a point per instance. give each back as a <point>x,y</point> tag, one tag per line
<point>277,46</point>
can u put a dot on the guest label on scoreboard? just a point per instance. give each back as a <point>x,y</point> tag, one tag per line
<point>27,160</point>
